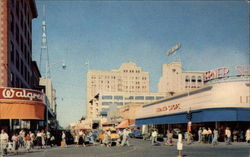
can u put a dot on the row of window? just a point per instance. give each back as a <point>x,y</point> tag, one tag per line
<point>131,71</point>
<point>110,97</point>
<point>193,79</point>
<point>21,10</point>
<point>20,65</point>
<point>17,82</point>
<point>120,103</point>
<point>113,77</point>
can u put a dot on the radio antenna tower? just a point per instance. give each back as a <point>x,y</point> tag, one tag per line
<point>44,54</point>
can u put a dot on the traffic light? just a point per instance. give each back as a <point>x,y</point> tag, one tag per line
<point>189,115</point>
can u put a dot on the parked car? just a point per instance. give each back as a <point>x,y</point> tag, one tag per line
<point>136,134</point>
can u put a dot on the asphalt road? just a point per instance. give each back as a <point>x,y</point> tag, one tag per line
<point>141,148</point>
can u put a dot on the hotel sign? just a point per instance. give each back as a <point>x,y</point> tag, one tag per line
<point>21,94</point>
<point>241,70</point>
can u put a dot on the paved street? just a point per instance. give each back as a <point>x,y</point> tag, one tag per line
<point>142,148</point>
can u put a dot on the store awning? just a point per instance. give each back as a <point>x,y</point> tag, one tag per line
<point>199,116</point>
<point>125,124</point>
<point>13,109</point>
<point>20,103</point>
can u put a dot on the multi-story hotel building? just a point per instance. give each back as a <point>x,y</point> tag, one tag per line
<point>174,80</point>
<point>129,78</point>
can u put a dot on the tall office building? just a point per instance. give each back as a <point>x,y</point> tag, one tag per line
<point>18,73</point>
<point>129,78</point>
<point>16,43</point>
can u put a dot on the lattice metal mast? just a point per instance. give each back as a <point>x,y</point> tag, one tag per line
<point>44,54</point>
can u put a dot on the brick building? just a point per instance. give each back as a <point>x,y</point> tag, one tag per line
<point>16,43</point>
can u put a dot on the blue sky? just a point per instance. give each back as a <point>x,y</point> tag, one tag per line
<point>108,33</point>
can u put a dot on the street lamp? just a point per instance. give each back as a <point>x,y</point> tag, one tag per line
<point>53,64</point>
<point>47,76</point>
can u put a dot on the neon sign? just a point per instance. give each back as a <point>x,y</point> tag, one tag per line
<point>242,70</point>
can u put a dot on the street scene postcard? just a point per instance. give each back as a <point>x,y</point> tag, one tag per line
<point>124,78</point>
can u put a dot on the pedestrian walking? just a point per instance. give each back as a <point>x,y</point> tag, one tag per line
<point>209,136</point>
<point>125,137</point>
<point>39,139</point>
<point>215,137</point>
<point>200,135</point>
<point>204,135</point>
<point>15,144</point>
<point>32,136</point>
<point>27,142</point>
<point>43,136</point>
<point>106,140</point>
<point>4,139</point>
<point>235,135</point>
<point>21,138</point>
<point>48,136</point>
<point>228,136</point>
<point>248,135</point>
<point>189,137</point>
<point>63,142</point>
<point>76,138</point>
<point>169,138</point>
<point>154,137</point>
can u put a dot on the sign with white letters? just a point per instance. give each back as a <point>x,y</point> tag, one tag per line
<point>21,94</point>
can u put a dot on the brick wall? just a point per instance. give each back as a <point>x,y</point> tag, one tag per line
<point>3,43</point>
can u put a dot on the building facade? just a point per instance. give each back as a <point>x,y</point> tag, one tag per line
<point>223,101</point>
<point>129,78</point>
<point>16,42</point>
<point>174,80</point>
<point>18,73</point>
<point>106,104</point>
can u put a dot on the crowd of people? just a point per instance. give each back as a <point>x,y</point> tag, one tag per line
<point>104,137</point>
<point>26,140</point>
<point>205,135</point>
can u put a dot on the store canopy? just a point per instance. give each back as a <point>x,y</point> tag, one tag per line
<point>125,124</point>
<point>199,116</point>
<point>20,103</point>
<point>13,109</point>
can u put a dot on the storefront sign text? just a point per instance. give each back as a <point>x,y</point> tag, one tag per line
<point>21,94</point>
<point>241,70</point>
<point>168,108</point>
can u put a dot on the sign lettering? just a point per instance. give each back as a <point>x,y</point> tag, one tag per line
<point>21,94</point>
<point>168,108</point>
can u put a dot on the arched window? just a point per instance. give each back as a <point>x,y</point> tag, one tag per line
<point>187,79</point>
<point>193,79</point>
<point>199,79</point>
